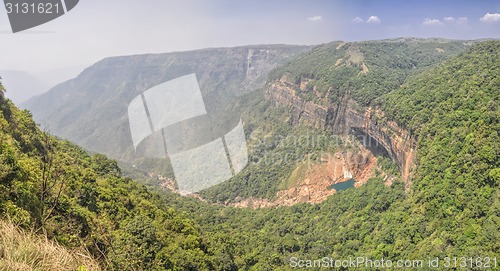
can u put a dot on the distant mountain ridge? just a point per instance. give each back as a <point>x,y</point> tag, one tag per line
<point>91,110</point>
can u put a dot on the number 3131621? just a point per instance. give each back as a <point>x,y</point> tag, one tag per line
<point>33,8</point>
<point>464,262</point>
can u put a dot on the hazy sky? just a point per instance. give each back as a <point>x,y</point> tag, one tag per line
<point>95,29</point>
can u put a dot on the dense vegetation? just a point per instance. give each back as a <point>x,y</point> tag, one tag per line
<point>454,205</point>
<point>332,69</point>
<point>336,68</point>
<point>454,110</point>
<point>54,187</point>
<point>452,210</point>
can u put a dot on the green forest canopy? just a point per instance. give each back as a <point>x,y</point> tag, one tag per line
<point>81,200</point>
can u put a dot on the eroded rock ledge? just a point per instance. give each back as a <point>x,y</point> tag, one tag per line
<point>348,117</point>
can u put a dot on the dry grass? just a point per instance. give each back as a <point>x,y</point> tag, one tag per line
<point>20,250</point>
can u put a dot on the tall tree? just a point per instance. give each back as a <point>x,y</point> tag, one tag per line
<point>2,89</point>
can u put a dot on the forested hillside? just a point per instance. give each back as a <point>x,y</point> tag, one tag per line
<point>319,84</point>
<point>54,187</point>
<point>454,110</point>
<point>454,205</point>
<point>453,208</point>
<point>366,69</point>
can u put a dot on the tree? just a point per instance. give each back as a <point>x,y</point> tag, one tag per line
<point>53,179</point>
<point>2,89</point>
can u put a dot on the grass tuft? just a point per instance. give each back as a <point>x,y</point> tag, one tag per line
<point>24,251</point>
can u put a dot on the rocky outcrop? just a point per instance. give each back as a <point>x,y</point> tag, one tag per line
<point>284,93</point>
<point>314,187</point>
<point>368,124</point>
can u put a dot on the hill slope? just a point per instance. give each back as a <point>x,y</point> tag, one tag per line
<point>81,201</point>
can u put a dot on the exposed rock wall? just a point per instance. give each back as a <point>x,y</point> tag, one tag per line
<point>284,93</point>
<point>347,117</point>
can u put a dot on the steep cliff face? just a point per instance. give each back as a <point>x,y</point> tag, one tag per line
<point>283,92</point>
<point>348,117</point>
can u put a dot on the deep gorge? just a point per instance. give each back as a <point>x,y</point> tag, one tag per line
<point>348,117</point>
